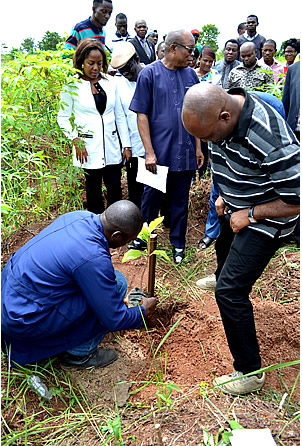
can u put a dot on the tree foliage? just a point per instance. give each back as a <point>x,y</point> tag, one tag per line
<point>49,41</point>
<point>28,45</point>
<point>37,176</point>
<point>209,35</point>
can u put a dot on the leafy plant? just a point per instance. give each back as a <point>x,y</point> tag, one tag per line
<point>37,176</point>
<point>144,235</point>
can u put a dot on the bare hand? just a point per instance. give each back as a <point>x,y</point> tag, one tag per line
<point>151,162</point>
<point>220,206</point>
<point>80,149</point>
<point>239,220</point>
<point>149,304</point>
<point>199,159</point>
<point>127,153</point>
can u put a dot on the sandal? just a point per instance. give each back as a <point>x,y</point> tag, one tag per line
<point>205,242</point>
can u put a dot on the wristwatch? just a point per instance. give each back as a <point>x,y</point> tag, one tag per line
<point>250,215</point>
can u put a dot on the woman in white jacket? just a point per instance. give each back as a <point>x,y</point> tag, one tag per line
<point>94,103</point>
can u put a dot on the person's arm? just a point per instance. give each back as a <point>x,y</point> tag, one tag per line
<point>96,281</point>
<point>276,208</point>
<point>144,131</point>
<point>199,154</point>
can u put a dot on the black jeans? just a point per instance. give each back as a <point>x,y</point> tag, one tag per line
<point>111,175</point>
<point>135,189</point>
<point>241,259</point>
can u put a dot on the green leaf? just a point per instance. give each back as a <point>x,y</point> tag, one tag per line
<point>160,252</point>
<point>234,425</point>
<point>153,224</point>
<point>132,254</point>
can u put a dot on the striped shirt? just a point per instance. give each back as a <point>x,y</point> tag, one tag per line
<point>259,163</point>
<point>84,30</point>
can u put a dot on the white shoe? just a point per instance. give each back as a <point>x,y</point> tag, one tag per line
<point>242,386</point>
<point>207,283</point>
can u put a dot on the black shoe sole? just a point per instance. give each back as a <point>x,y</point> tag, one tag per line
<point>85,366</point>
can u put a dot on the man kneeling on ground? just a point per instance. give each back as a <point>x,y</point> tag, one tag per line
<point>61,294</point>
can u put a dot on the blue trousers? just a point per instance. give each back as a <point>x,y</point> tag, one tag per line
<point>212,224</point>
<point>178,187</point>
<point>241,259</point>
<point>91,345</point>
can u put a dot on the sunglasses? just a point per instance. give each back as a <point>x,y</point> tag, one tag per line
<point>188,48</point>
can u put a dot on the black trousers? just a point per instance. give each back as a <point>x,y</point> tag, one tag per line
<point>111,176</point>
<point>177,197</point>
<point>241,260</point>
<point>135,189</point>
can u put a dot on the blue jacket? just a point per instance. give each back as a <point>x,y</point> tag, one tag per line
<point>59,290</point>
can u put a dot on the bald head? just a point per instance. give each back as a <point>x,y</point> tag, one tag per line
<point>121,221</point>
<point>248,54</point>
<point>209,112</point>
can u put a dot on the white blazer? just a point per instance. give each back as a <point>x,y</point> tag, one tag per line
<point>126,91</point>
<point>98,132</point>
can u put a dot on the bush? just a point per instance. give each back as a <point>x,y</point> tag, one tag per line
<point>37,175</point>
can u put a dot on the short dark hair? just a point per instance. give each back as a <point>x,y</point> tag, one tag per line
<point>272,42</point>
<point>196,52</point>
<point>83,50</point>
<point>101,1</point>
<point>120,16</point>
<point>232,41</point>
<point>253,15</point>
<point>241,25</point>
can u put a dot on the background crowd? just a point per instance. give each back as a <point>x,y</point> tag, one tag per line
<point>249,62</point>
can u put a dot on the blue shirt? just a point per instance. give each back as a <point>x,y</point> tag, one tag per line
<point>59,290</point>
<point>159,94</point>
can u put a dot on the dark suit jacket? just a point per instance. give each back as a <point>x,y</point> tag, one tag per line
<point>291,95</point>
<point>143,58</point>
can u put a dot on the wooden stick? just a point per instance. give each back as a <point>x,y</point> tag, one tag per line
<point>151,264</point>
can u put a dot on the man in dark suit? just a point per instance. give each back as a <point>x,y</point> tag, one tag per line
<point>291,97</point>
<point>144,48</point>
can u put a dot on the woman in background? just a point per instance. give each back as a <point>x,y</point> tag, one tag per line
<point>205,72</point>
<point>94,103</point>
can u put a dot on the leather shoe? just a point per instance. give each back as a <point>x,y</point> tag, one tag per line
<point>178,255</point>
<point>137,244</point>
<point>100,358</point>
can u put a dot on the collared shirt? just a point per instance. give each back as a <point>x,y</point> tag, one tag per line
<point>159,94</point>
<point>144,44</point>
<point>258,164</point>
<point>276,67</point>
<point>257,39</point>
<point>59,290</point>
<point>117,39</point>
<point>240,76</point>
<point>84,30</point>
<point>126,91</point>
<point>224,69</point>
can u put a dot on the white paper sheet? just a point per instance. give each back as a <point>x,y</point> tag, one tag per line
<point>157,180</point>
<point>252,437</point>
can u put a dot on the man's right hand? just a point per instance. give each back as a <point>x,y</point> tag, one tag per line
<point>151,162</point>
<point>220,206</point>
<point>149,304</point>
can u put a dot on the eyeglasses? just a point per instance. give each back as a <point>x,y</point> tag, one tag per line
<point>188,48</point>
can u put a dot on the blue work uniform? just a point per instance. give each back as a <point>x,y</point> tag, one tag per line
<point>59,290</point>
